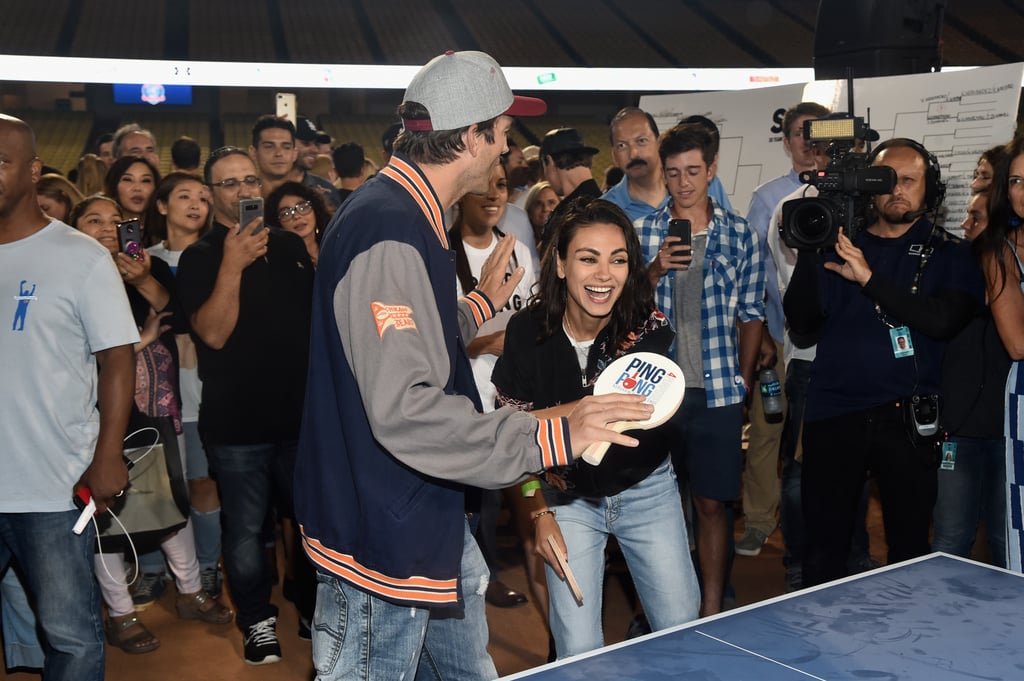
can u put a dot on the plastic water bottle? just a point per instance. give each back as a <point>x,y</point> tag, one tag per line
<point>771,395</point>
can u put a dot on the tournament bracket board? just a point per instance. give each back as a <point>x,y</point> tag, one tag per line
<point>656,377</point>
<point>935,618</point>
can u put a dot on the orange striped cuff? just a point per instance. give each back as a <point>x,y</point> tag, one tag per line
<point>553,439</point>
<point>420,591</point>
<point>480,305</point>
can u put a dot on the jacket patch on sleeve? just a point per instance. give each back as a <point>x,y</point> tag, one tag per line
<point>392,316</point>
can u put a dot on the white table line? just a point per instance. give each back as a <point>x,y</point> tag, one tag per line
<point>763,657</point>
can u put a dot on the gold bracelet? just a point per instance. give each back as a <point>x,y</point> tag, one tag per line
<point>540,514</point>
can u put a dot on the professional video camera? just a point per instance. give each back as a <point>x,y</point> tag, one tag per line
<point>844,187</point>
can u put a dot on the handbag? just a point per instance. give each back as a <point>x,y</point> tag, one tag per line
<point>156,502</point>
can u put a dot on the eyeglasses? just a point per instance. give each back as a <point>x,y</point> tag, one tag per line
<point>234,183</point>
<point>296,210</point>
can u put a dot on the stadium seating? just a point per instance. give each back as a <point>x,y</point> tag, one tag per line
<point>60,135</point>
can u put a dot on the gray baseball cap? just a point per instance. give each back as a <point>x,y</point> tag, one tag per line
<point>459,89</point>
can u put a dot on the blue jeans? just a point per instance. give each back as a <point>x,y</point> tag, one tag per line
<point>250,478</point>
<point>58,566</point>
<point>358,636</point>
<point>974,490</point>
<point>647,520</point>
<point>22,647</point>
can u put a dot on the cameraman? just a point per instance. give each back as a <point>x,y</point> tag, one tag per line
<point>902,276</point>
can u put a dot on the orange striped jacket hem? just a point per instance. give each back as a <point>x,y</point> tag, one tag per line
<point>415,589</point>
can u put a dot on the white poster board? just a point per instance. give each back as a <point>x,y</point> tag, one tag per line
<point>956,115</point>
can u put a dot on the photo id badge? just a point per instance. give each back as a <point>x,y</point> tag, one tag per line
<point>948,456</point>
<point>902,346</point>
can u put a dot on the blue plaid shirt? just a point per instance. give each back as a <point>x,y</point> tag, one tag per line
<point>734,288</point>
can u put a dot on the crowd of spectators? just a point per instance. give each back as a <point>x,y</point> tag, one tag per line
<point>223,317</point>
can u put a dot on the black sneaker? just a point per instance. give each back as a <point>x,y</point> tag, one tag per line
<point>305,631</point>
<point>211,580</point>
<point>261,645</point>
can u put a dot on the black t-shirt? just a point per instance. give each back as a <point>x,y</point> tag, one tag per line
<point>253,387</point>
<point>540,374</point>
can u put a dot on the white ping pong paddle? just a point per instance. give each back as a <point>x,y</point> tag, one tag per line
<point>570,578</point>
<point>656,377</point>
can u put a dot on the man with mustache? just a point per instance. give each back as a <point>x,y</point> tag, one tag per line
<point>634,138</point>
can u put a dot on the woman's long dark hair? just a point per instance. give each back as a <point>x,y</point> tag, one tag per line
<point>637,300</point>
<point>304,192</point>
<point>119,168</point>
<point>1003,221</point>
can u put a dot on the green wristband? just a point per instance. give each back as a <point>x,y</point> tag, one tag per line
<point>530,488</point>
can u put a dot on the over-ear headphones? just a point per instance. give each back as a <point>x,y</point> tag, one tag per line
<point>935,188</point>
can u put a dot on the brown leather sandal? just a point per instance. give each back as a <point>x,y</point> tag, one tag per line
<point>202,606</point>
<point>130,635</point>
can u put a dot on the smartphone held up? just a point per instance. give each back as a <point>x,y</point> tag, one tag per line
<point>682,229</point>
<point>250,210</point>
<point>129,238</point>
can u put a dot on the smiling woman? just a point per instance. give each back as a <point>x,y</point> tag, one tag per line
<point>594,304</point>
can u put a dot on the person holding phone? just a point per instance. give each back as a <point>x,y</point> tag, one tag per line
<point>714,295</point>
<point>148,284</point>
<point>594,303</point>
<point>247,292</point>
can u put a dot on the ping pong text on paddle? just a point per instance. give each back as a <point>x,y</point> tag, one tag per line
<point>640,378</point>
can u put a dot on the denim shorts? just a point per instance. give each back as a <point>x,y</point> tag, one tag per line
<point>707,448</point>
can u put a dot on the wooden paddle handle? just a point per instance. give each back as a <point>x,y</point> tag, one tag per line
<point>570,578</point>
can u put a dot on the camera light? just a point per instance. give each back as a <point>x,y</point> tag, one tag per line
<point>832,129</point>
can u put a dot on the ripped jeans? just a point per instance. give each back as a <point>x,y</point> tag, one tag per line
<point>359,636</point>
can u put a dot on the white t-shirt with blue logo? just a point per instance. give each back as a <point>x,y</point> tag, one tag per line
<point>61,301</point>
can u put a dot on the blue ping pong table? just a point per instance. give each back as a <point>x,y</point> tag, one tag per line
<point>933,618</point>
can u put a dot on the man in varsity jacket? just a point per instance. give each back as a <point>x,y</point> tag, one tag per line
<point>392,431</point>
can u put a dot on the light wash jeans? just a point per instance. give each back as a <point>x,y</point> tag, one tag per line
<point>359,637</point>
<point>647,520</point>
<point>59,568</point>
